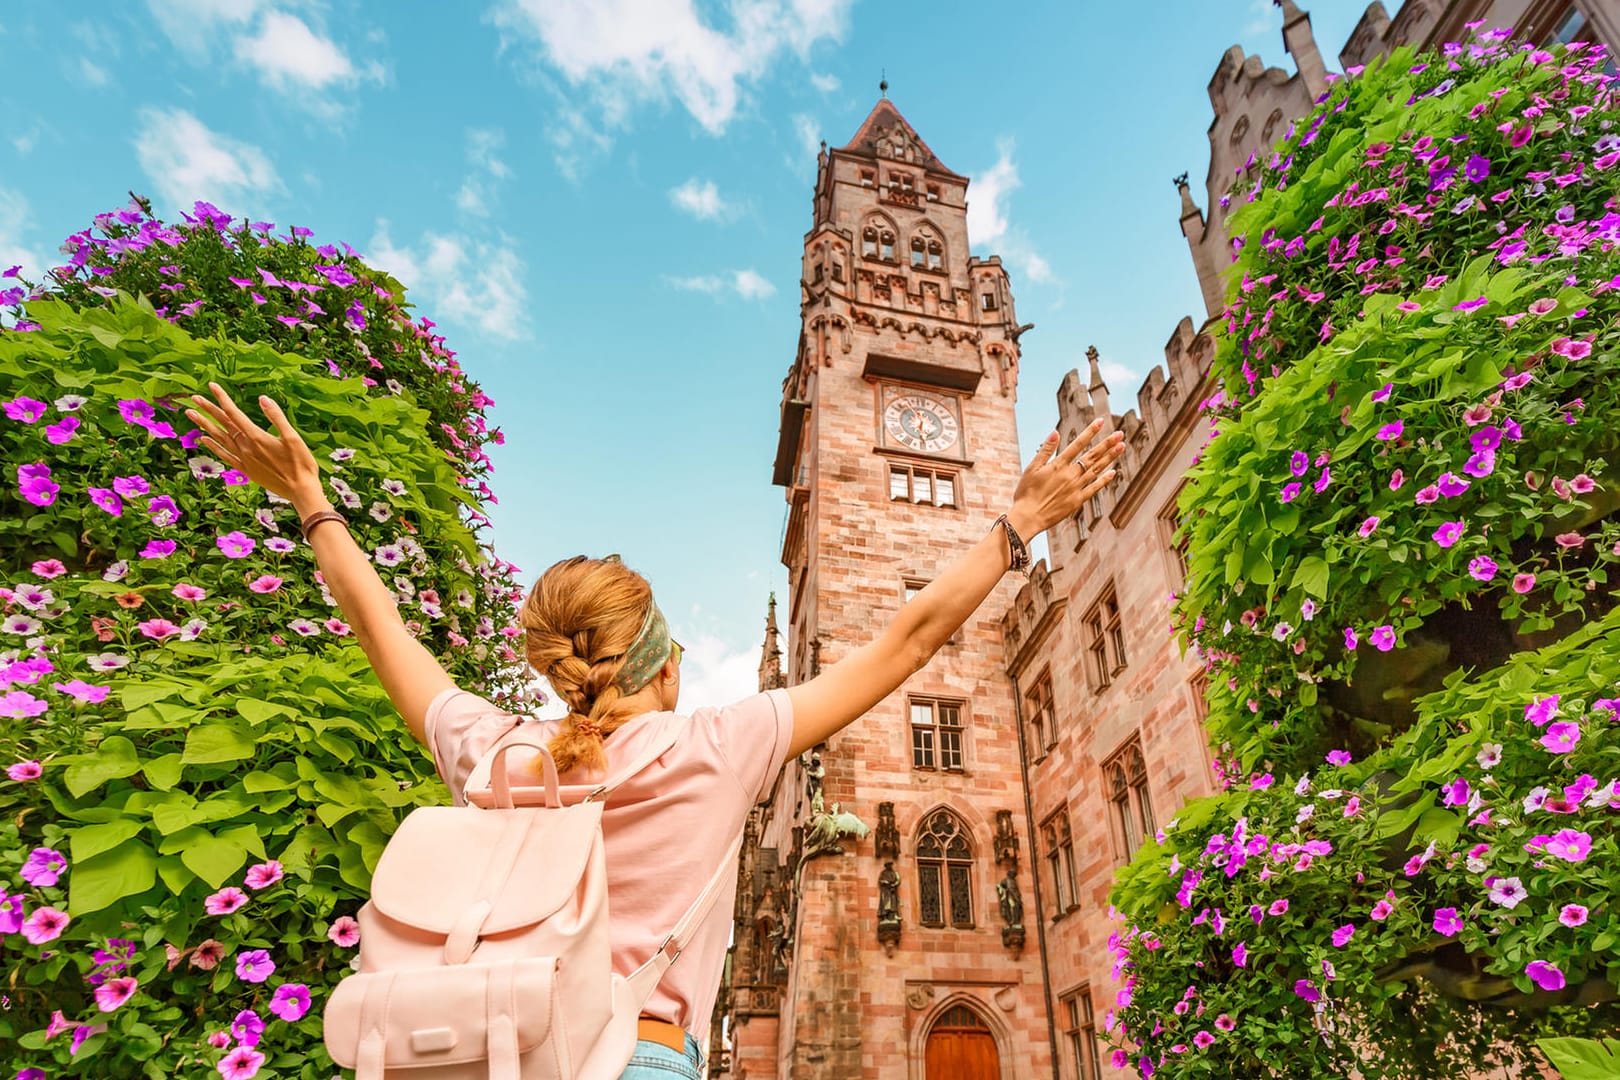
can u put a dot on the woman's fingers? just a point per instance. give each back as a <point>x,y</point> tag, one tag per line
<point>235,418</point>
<point>1080,442</point>
<point>283,426</point>
<point>1044,454</point>
<point>1096,485</point>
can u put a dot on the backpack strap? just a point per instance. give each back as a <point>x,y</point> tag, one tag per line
<point>645,978</point>
<point>479,779</point>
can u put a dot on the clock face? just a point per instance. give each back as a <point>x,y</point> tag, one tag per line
<point>922,423</point>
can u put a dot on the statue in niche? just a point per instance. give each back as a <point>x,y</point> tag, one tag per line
<point>827,828</point>
<point>888,920</point>
<point>814,773</point>
<point>1012,910</point>
<point>1006,839</point>
<point>888,836</point>
<point>888,894</point>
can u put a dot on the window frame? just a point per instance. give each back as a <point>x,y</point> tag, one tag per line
<point>1079,1018</point>
<point>933,747</point>
<point>1130,801</point>
<point>1104,624</point>
<point>934,474</point>
<point>955,853</point>
<point>1040,702</point>
<point>1058,838</point>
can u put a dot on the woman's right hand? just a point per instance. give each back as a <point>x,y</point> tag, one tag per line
<point>1058,482</point>
<point>280,463</point>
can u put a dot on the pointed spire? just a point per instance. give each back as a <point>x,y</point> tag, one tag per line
<point>1188,207</point>
<point>1096,369</point>
<point>883,86</point>
<point>770,656</point>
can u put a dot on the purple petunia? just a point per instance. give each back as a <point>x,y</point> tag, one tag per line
<point>1391,431</point>
<point>1447,922</point>
<point>1545,975</point>
<point>1383,638</point>
<point>1448,534</point>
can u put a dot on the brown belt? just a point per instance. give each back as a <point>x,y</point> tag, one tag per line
<point>663,1033</point>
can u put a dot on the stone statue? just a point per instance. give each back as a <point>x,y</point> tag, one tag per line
<point>827,827</point>
<point>1012,911</point>
<point>1012,904</point>
<point>887,842</point>
<point>814,771</point>
<point>888,895</point>
<point>1006,839</point>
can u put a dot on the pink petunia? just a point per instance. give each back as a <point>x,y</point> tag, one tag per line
<point>254,966</point>
<point>1482,568</point>
<point>345,932</point>
<point>1342,936</point>
<point>1571,845</point>
<point>225,901</point>
<point>49,568</point>
<point>265,583</point>
<point>45,924</point>
<point>1545,975</point>
<point>1448,534</point>
<point>206,957</point>
<point>1569,540</point>
<point>23,771</point>
<point>264,875</point>
<point>1561,737</point>
<point>243,1062</point>
<point>80,690</point>
<point>290,1001</point>
<point>158,549</point>
<point>1240,955</point>
<point>1572,915</point>
<point>1338,757</point>
<point>43,867</point>
<point>247,1028</point>
<point>1368,526</point>
<point>1383,638</point>
<point>1523,583</point>
<point>114,992</point>
<point>1447,922</point>
<point>189,593</point>
<point>1541,710</point>
<point>1392,431</point>
<point>236,545</point>
<point>1381,910</point>
<point>157,629</point>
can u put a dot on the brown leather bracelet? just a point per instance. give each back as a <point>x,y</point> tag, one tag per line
<point>318,517</point>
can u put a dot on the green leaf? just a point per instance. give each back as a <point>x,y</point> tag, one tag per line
<point>1583,1059</point>
<point>92,840</point>
<point>214,858</point>
<point>174,873</point>
<point>1312,576</point>
<point>114,759</point>
<point>212,744</point>
<point>163,772</point>
<point>127,870</point>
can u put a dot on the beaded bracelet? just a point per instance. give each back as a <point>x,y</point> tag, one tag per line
<point>318,517</point>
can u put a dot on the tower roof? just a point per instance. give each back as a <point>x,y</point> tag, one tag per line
<point>885,122</point>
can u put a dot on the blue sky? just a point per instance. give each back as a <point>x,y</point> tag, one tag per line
<point>602,202</point>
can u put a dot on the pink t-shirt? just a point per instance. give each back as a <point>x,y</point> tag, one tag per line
<point>665,830</point>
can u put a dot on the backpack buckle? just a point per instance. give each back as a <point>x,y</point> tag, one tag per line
<point>596,793</point>
<point>673,956</point>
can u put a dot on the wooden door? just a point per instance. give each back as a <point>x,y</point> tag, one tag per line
<point>960,1047</point>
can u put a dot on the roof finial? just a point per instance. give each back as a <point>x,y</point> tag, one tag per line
<point>883,86</point>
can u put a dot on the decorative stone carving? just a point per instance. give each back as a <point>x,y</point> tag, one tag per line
<point>888,920</point>
<point>814,772</point>
<point>887,842</point>
<point>920,995</point>
<point>827,828</point>
<point>1006,998</point>
<point>1006,840</point>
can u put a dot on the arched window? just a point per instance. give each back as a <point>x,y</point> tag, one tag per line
<point>936,255</point>
<point>945,871</point>
<point>1128,792</point>
<point>919,251</point>
<point>869,239</point>
<point>886,246</point>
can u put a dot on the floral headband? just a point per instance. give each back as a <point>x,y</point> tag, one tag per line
<point>647,654</point>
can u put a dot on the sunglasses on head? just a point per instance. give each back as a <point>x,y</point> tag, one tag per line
<point>675,651</point>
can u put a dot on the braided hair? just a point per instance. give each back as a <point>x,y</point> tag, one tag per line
<point>580,619</point>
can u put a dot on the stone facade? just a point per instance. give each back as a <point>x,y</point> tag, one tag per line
<point>1080,720</point>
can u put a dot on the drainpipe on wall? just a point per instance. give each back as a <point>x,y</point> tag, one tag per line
<point>1035,880</point>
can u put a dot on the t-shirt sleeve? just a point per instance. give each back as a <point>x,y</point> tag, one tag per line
<point>460,728</point>
<point>753,736</point>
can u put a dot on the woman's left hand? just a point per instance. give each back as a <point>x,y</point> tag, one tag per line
<point>280,463</point>
<point>1058,482</point>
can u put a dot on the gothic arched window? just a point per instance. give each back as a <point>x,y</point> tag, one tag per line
<point>869,239</point>
<point>919,251</point>
<point>944,871</point>
<point>936,255</point>
<point>1128,792</point>
<point>886,246</point>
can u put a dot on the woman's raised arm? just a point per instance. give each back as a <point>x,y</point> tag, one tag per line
<point>281,463</point>
<point>1054,486</point>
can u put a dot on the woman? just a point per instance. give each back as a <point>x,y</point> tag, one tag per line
<point>592,628</point>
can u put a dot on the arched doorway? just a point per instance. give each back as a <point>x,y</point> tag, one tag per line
<point>960,1047</point>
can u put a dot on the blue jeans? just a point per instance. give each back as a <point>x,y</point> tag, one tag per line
<point>655,1061</point>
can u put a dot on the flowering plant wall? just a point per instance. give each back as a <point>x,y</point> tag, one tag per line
<point>1401,541</point>
<point>201,770</point>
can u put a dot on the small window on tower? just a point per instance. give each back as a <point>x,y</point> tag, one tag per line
<point>903,181</point>
<point>987,301</point>
<point>886,246</point>
<point>838,270</point>
<point>933,193</point>
<point>919,251</point>
<point>868,178</point>
<point>936,255</point>
<point>869,242</point>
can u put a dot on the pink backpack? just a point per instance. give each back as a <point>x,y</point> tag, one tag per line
<point>484,950</point>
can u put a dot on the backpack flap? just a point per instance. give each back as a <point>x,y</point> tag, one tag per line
<point>428,1017</point>
<point>506,869</point>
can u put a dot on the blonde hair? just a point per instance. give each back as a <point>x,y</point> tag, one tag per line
<point>580,619</point>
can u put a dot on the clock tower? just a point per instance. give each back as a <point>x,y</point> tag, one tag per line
<point>900,955</point>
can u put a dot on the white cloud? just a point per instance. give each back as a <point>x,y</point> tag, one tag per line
<point>827,84</point>
<point>574,140</point>
<point>15,225</point>
<point>1260,17</point>
<point>478,189</point>
<point>289,55</point>
<point>989,224</point>
<point>745,283</point>
<point>702,200</point>
<point>25,141</point>
<point>194,25</point>
<point>623,53</point>
<point>187,161</point>
<point>714,674</point>
<point>92,73</point>
<point>456,278</point>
